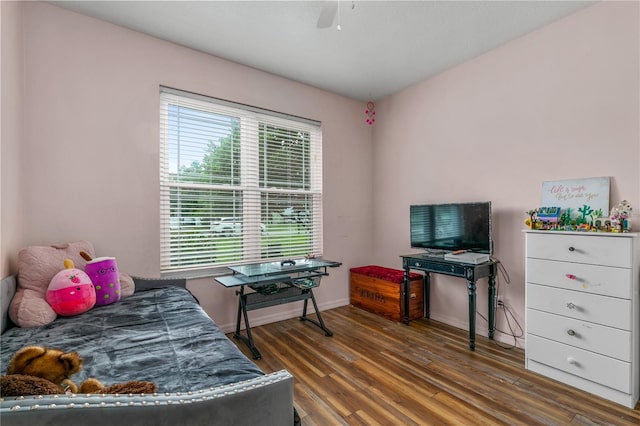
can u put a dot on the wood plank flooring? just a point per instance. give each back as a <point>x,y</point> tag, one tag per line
<point>373,371</point>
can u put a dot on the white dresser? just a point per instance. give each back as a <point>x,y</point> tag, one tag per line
<point>582,311</point>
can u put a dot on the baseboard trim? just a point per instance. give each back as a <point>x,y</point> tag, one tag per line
<point>481,329</point>
<point>293,310</point>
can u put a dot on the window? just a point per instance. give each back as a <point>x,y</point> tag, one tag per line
<point>238,184</point>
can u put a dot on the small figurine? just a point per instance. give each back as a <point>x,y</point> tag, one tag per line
<point>585,211</point>
<point>531,221</point>
<point>584,227</point>
<point>549,214</point>
<point>620,217</point>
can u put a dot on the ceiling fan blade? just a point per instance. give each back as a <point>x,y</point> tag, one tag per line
<point>327,14</point>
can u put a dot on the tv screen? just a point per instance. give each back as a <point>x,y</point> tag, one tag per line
<point>450,227</point>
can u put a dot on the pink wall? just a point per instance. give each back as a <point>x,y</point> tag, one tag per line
<point>561,102</point>
<point>91,146</point>
<point>558,103</point>
<point>11,84</point>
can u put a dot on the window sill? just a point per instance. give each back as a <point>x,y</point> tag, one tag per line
<point>199,273</point>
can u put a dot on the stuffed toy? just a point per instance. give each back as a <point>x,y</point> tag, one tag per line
<point>71,291</point>
<point>36,267</point>
<point>23,385</point>
<point>104,274</point>
<point>133,386</point>
<point>57,367</point>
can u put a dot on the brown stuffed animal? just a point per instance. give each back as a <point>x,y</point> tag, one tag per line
<point>21,384</point>
<point>57,366</point>
<point>51,364</point>
<point>134,386</point>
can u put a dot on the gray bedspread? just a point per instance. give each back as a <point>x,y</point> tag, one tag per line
<point>160,335</point>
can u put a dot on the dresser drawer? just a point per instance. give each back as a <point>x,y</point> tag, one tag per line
<point>596,338</point>
<point>609,311</point>
<point>588,248</point>
<point>605,280</point>
<point>607,371</point>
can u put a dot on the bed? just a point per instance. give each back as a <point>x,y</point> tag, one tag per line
<point>158,334</point>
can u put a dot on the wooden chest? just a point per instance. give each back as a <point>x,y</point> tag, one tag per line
<point>380,290</point>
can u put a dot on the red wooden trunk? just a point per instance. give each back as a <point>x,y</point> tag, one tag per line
<point>380,290</point>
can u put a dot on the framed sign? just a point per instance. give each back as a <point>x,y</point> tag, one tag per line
<point>584,197</point>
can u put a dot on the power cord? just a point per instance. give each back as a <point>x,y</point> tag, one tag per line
<point>516,331</point>
<point>502,269</point>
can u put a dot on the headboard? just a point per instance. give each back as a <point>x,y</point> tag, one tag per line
<point>7,290</point>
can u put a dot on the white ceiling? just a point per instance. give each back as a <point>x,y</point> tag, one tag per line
<point>382,47</point>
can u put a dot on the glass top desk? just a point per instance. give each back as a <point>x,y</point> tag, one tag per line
<point>276,283</point>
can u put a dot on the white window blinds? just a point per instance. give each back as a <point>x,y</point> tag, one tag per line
<point>238,184</point>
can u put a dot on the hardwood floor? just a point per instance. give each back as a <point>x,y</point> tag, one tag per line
<point>377,372</point>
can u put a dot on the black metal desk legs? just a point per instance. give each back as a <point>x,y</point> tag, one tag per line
<point>493,302</point>
<point>320,322</point>
<point>243,307</point>
<point>242,310</point>
<point>427,295</point>
<point>471,273</point>
<point>471,286</point>
<point>406,293</point>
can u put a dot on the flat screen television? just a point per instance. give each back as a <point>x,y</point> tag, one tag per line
<point>451,227</point>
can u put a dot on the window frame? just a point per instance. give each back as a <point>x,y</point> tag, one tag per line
<point>250,120</point>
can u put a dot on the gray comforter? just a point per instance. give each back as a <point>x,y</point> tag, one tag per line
<point>160,335</point>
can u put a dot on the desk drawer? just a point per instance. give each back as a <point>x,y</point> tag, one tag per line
<point>608,281</point>
<point>597,338</point>
<point>445,268</point>
<point>607,371</point>
<point>609,311</point>
<point>591,249</point>
<point>284,295</point>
